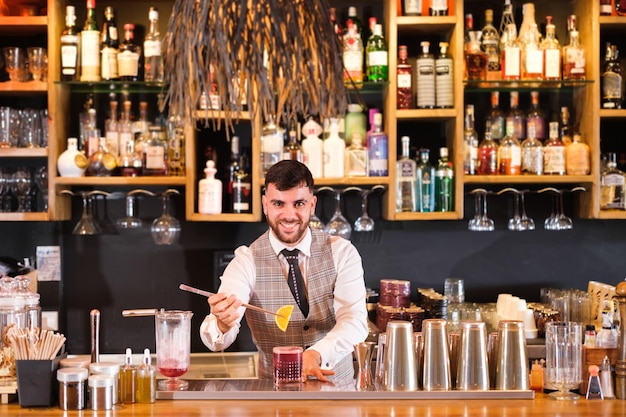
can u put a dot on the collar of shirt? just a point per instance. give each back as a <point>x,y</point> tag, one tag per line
<point>304,246</point>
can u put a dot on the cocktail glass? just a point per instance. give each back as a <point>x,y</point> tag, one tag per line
<point>173,347</point>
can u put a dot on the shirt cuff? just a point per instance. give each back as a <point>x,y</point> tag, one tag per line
<point>210,333</point>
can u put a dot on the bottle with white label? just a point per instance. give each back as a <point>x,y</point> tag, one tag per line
<point>444,77</point>
<point>334,152</point>
<point>406,180</point>
<point>425,78</point>
<point>554,152</point>
<point>90,46</point>
<point>153,65</point>
<point>69,46</point>
<point>210,191</point>
<point>155,153</point>
<point>313,148</point>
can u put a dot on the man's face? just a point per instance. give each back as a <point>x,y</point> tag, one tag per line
<point>288,212</point>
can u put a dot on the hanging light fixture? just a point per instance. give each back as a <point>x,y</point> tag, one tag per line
<point>274,56</point>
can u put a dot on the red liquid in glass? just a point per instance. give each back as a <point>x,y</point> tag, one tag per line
<point>173,372</point>
<point>287,367</point>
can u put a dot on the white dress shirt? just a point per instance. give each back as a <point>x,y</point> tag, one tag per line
<point>239,279</point>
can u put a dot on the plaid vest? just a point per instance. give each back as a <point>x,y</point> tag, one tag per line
<point>272,292</point>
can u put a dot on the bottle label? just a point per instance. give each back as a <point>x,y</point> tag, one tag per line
<point>404,80</point>
<point>90,55</point>
<point>155,157</point>
<point>413,7</point>
<point>554,159</point>
<point>113,143</point>
<point>69,57</point>
<point>552,63</point>
<point>151,48</point>
<point>611,86</point>
<point>377,58</point>
<point>532,160</point>
<point>109,63</point>
<point>353,65</point>
<point>444,82</point>
<point>128,64</point>
<point>407,171</point>
<point>241,196</point>
<point>356,163</point>
<point>511,62</point>
<point>126,137</point>
<point>575,60</point>
<point>534,61</point>
<point>425,83</point>
<point>510,160</point>
<point>577,159</point>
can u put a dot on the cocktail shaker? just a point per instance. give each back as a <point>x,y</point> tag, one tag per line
<point>400,372</point>
<point>363,354</point>
<point>511,358</point>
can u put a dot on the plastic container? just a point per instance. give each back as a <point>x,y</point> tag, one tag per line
<point>72,388</point>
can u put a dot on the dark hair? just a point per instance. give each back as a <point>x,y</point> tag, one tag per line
<point>288,174</point>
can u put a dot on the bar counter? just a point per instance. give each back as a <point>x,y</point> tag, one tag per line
<point>541,406</point>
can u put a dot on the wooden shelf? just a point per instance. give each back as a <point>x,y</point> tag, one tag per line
<point>123,181</point>
<point>528,179</point>
<point>612,214</point>
<point>351,181</point>
<point>612,20</point>
<point>409,216</point>
<point>24,217</point>
<point>611,113</point>
<point>23,25</point>
<point>23,87</point>
<point>425,24</point>
<point>24,153</point>
<point>225,217</point>
<point>426,114</point>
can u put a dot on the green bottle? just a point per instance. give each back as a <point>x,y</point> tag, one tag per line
<point>377,56</point>
<point>444,183</point>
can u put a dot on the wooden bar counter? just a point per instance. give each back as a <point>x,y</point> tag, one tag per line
<point>541,406</point>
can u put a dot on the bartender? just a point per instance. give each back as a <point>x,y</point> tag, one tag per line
<point>329,315</point>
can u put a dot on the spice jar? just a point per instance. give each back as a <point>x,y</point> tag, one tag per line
<point>107,368</point>
<point>72,388</point>
<point>101,391</point>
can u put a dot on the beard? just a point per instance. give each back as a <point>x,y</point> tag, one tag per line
<point>289,232</point>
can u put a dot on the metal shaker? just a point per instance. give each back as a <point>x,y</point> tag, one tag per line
<point>400,371</point>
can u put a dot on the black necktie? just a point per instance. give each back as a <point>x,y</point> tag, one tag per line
<point>296,281</point>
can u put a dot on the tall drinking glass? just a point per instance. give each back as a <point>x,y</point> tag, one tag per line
<point>563,359</point>
<point>173,347</point>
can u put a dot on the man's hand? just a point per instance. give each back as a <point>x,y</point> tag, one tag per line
<point>224,308</point>
<point>311,366</point>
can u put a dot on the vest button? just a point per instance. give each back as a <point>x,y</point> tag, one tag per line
<point>305,328</point>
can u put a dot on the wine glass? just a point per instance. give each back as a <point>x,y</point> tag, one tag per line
<point>166,229</point>
<point>480,222</point>
<point>131,220</point>
<point>21,186</point>
<point>550,221</point>
<point>41,179</point>
<point>316,223</point>
<point>338,225</point>
<point>87,224</point>
<point>519,222</point>
<point>364,223</point>
<point>525,222</point>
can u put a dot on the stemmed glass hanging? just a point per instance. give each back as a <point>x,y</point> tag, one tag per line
<point>558,220</point>
<point>364,223</point>
<point>316,223</point>
<point>338,225</point>
<point>481,222</point>
<point>166,229</point>
<point>520,220</point>
<point>87,225</point>
<point>131,220</point>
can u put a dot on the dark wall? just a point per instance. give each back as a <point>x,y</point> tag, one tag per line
<point>113,272</point>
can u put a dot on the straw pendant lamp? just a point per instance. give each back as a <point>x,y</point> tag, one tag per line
<point>275,55</point>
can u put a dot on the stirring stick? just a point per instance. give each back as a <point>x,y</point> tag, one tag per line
<point>208,294</point>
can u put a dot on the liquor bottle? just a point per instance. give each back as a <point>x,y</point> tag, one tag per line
<point>377,149</point>
<point>242,189</point>
<point>475,58</point>
<point>93,134</point>
<point>69,46</point>
<point>554,152</point>
<point>532,153</point>
<point>404,97</point>
<point>517,116</point>
<point>510,55</point>
<point>444,78</point>
<point>334,152</point>
<point>233,166</point>
<point>469,27</point>
<point>444,183</point>
<point>313,147</point>
<point>425,174</point>
<point>90,46</point>
<point>506,19</point>
<point>551,53</point>
<point>109,44</point>
<point>509,152</point>
<point>377,56</point>
<point>155,153</point>
<point>101,163</point>
<point>292,149</point>
<point>140,127</point>
<point>532,55</point>
<point>146,380</point>
<point>438,8</point>
<point>612,80</point>
<point>128,57</point>
<point>127,380</point>
<point>111,130</point>
<point>153,61</point>
<point>130,164</point>
<point>566,133</point>
<point>352,57</point>
<point>490,44</point>
<point>495,117</point>
<point>272,143</point>
<point>406,180</point>
<point>605,8</point>
<point>612,186</point>
<point>528,20</point>
<point>356,158</point>
<point>210,191</point>
<point>574,65</point>
<point>536,116</point>
<point>354,123</point>
<point>125,130</point>
<point>175,146</point>
<point>353,20</point>
<point>470,142</point>
<point>370,38</point>
<point>488,153</point>
<point>425,78</point>
<point>577,157</point>
<point>72,162</point>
